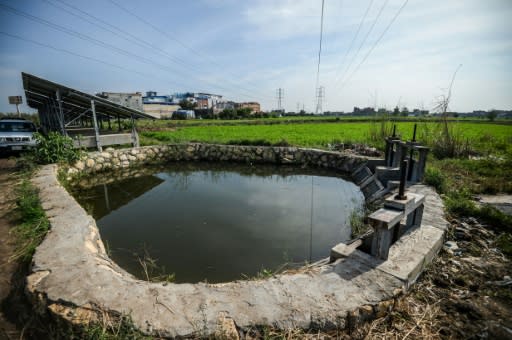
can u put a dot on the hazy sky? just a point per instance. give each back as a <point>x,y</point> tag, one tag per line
<point>245,50</point>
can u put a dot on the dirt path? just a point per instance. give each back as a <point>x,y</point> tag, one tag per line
<point>7,268</point>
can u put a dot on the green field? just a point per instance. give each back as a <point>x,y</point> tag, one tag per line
<point>481,137</point>
<point>155,124</point>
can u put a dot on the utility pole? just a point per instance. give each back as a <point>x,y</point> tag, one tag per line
<point>320,94</point>
<point>279,95</point>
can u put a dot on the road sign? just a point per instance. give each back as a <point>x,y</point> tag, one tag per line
<point>15,100</point>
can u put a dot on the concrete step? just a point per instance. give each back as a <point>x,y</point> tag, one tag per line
<point>387,173</point>
<point>361,174</point>
<point>371,186</point>
<point>342,250</point>
<point>392,185</point>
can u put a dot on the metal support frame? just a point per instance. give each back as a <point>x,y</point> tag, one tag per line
<point>96,130</point>
<point>78,117</point>
<point>60,112</point>
<point>135,137</point>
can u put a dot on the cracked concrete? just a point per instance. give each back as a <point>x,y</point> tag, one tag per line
<point>72,268</point>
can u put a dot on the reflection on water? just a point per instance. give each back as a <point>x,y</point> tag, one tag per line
<point>215,222</point>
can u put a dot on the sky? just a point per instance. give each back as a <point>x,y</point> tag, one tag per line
<point>246,50</point>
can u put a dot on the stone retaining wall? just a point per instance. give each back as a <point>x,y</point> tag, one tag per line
<point>73,277</point>
<point>112,159</point>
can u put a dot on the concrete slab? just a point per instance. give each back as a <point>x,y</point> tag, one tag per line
<point>385,216</point>
<point>407,205</point>
<point>342,250</point>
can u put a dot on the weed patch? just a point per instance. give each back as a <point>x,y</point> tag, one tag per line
<point>33,222</point>
<point>55,148</point>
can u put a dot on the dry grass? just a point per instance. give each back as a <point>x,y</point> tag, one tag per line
<point>460,296</point>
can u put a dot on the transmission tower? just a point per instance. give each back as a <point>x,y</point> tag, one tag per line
<point>320,94</point>
<point>279,95</point>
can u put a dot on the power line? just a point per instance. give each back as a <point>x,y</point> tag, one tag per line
<point>320,48</point>
<point>133,39</point>
<point>376,42</point>
<point>353,40</point>
<point>99,42</point>
<point>317,88</point>
<point>168,36</point>
<point>58,49</point>
<point>128,36</point>
<point>365,38</point>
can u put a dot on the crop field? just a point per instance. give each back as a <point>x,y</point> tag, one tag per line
<point>481,136</point>
<point>151,124</point>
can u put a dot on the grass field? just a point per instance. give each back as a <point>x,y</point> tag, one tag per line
<point>148,124</point>
<point>481,137</point>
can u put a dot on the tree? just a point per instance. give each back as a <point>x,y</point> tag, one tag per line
<point>396,111</point>
<point>187,105</point>
<point>491,115</point>
<point>244,112</point>
<point>405,112</point>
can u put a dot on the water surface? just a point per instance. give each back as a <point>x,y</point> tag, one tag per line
<point>218,222</point>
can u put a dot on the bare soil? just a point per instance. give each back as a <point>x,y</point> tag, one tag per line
<point>8,268</point>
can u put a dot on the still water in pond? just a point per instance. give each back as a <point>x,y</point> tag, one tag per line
<point>220,222</point>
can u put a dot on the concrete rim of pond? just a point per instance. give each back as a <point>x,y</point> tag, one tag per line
<point>73,277</point>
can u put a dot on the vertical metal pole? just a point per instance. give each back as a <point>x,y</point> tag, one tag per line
<point>411,153</point>
<point>401,189</point>
<point>394,130</point>
<point>18,110</point>
<point>135,139</point>
<point>118,123</point>
<point>61,113</point>
<point>96,130</point>
<point>107,201</point>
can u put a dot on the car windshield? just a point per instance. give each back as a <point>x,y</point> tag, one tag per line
<point>17,127</point>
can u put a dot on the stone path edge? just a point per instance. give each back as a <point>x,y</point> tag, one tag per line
<point>72,276</point>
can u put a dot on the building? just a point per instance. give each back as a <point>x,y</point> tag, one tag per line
<point>207,100</point>
<point>159,106</point>
<point>131,100</point>
<point>254,106</point>
<point>185,114</point>
<point>203,100</point>
<point>225,105</point>
<point>160,111</point>
<point>152,97</point>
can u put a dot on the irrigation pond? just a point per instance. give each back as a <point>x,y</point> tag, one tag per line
<point>219,222</point>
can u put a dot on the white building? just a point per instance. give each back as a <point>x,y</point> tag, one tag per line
<point>131,100</point>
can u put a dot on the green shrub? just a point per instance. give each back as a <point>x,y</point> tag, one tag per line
<point>504,242</point>
<point>460,203</point>
<point>55,148</point>
<point>434,177</point>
